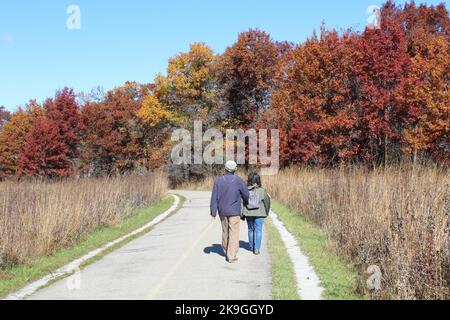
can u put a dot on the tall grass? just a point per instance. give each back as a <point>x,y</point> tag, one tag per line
<point>40,217</point>
<point>396,218</point>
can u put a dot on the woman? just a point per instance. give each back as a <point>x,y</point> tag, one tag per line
<point>256,211</point>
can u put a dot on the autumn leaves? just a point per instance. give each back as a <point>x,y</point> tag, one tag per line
<point>339,97</point>
<point>366,97</point>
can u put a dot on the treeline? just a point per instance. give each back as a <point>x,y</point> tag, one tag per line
<point>339,97</point>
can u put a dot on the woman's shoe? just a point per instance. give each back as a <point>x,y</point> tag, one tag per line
<point>256,252</point>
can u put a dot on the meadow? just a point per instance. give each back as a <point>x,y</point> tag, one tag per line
<point>396,218</point>
<point>40,217</point>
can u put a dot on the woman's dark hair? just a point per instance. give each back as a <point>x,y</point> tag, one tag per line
<point>254,178</point>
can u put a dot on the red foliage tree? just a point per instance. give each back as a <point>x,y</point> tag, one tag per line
<point>116,139</point>
<point>381,66</point>
<point>64,111</point>
<point>45,153</point>
<point>422,22</point>
<point>247,70</point>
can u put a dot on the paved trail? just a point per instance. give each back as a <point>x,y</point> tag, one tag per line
<point>179,259</point>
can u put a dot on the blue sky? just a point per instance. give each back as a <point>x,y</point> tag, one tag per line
<point>132,40</point>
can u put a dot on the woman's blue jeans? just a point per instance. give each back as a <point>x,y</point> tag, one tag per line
<point>255,226</point>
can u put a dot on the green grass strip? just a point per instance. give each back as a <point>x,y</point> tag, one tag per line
<point>337,276</point>
<point>18,276</point>
<point>284,285</point>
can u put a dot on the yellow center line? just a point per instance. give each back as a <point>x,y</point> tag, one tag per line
<point>179,262</point>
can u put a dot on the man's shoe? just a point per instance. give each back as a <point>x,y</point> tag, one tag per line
<point>232,260</point>
<point>256,252</point>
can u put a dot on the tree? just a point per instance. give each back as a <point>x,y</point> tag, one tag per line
<point>427,92</point>
<point>59,122</point>
<point>381,65</point>
<point>247,71</point>
<point>64,111</point>
<point>422,22</point>
<point>45,152</point>
<point>313,101</point>
<point>189,91</point>
<point>13,133</point>
<point>154,113</point>
<point>115,139</point>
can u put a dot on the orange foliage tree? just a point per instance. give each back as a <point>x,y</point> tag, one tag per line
<point>427,91</point>
<point>12,136</point>
<point>313,103</point>
<point>115,139</point>
<point>422,22</point>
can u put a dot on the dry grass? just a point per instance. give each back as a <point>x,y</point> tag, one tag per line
<point>38,218</point>
<point>396,218</point>
<point>203,185</point>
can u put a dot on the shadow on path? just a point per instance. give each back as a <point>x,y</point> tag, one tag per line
<point>217,248</point>
<point>244,245</point>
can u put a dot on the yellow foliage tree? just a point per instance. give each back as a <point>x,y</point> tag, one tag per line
<point>154,113</point>
<point>190,89</point>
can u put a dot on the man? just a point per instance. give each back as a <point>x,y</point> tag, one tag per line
<point>226,197</point>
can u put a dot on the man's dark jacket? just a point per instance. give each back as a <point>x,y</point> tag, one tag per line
<point>226,197</point>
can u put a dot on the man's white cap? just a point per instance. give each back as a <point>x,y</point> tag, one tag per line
<point>231,166</point>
